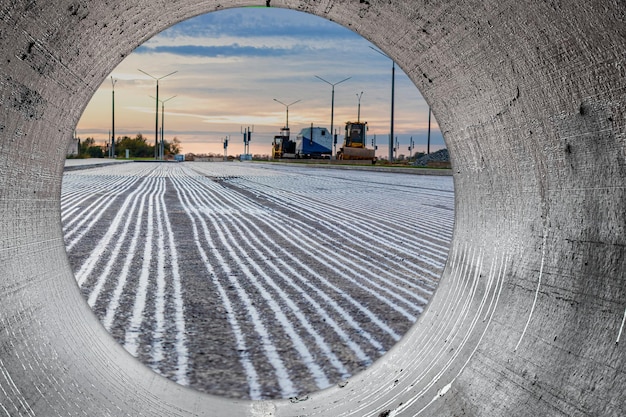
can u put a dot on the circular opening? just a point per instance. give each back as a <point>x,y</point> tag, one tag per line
<point>253,280</point>
<point>529,313</point>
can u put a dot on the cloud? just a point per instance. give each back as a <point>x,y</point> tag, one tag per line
<point>247,23</point>
<point>218,51</point>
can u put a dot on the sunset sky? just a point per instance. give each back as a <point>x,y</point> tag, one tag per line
<point>231,66</point>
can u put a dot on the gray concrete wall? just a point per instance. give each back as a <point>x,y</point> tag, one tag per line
<point>530,98</point>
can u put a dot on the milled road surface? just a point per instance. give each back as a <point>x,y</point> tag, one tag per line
<point>255,281</point>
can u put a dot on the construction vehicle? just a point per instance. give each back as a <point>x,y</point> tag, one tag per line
<point>354,144</point>
<point>313,142</point>
<point>283,146</point>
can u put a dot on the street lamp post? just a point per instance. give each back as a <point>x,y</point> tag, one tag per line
<point>332,105</point>
<point>113,117</point>
<point>156,124</point>
<point>393,81</point>
<point>358,117</point>
<point>428,140</point>
<point>287,107</point>
<point>162,147</point>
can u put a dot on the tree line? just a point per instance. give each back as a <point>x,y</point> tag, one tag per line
<point>138,147</point>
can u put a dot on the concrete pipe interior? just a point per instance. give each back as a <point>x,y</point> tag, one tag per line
<point>529,315</point>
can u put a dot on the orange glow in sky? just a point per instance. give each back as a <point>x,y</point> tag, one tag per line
<point>232,64</point>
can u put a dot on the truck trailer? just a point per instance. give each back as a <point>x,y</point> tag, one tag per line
<point>311,142</point>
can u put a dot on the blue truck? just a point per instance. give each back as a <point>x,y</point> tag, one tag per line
<point>311,142</point>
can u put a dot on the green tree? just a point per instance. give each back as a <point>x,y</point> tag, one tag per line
<point>138,146</point>
<point>89,149</point>
<point>173,147</point>
<point>85,145</point>
<point>95,152</point>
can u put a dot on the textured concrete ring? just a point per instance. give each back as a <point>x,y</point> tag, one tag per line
<point>529,315</point>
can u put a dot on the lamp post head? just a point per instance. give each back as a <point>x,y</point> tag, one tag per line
<point>155,78</point>
<point>332,84</point>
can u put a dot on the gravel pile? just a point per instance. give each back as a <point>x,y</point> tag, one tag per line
<point>439,156</point>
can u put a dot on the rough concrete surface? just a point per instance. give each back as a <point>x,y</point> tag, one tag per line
<point>529,317</point>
